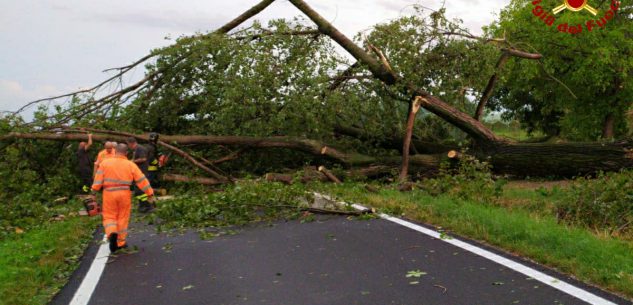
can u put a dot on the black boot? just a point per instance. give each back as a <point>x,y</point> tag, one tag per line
<point>113,242</point>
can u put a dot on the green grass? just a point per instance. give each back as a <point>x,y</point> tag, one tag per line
<point>36,264</point>
<point>511,131</point>
<point>604,261</point>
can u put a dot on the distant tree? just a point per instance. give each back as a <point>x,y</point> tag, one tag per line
<point>595,65</point>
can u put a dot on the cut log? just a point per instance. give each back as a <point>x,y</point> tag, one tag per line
<point>454,155</point>
<point>329,175</point>
<point>311,173</point>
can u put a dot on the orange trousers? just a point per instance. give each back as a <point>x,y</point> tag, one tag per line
<point>117,206</point>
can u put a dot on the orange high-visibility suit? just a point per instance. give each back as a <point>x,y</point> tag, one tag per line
<point>103,154</point>
<point>115,176</point>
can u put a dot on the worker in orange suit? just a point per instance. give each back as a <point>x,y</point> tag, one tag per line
<point>115,176</point>
<point>107,152</point>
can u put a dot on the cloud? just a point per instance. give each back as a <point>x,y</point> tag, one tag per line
<point>14,95</point>
<point>89,36</point>
<point>168,19</point>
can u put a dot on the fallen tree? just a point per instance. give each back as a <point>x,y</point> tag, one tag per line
<point>520,159</point>
<point>506,157</point>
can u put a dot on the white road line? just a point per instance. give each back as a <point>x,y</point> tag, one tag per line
<point>90,281</point>
<point>535,274</point>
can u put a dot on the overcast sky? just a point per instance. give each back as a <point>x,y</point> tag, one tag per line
<point>48,47</point>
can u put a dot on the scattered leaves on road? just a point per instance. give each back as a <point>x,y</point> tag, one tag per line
<point>188,287</point>
<point>415,273</point>
<point>167,247</point>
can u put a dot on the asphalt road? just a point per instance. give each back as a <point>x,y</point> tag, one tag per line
<point>330,261</point>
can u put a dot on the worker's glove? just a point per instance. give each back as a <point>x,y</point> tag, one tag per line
<point>151,200</point>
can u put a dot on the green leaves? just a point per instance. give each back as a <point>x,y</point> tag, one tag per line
<point>594,65</point>
<point>601,203</point>
<point>238,204</point>
<point>415,274</point>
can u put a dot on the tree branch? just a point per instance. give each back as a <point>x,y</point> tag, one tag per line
<point>491,85</point>
<point>452,115</point>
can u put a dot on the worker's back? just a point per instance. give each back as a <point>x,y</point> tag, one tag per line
<point>119,172</point>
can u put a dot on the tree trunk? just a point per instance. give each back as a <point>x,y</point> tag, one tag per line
<point>608,126</point>
<point>415,107</point>
<point>562,160</point>
<point>520,159</point>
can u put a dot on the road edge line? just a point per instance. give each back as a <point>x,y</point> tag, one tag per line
<point>89,283</point>
<point>551,281</point>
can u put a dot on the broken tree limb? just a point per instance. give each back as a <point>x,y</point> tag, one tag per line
<point>182,178</point>
<point>329,175</point>
<point>505,55</point>
<point>328,29</point>
<point>341,78</point>
<point>450,114</point>
<point>336,212</point>
<point>485,96</point>
<point>459,119</point>
<point>245,16</point>
<point>415,107</point>
<point>383,58</point>
<point>522,54</point>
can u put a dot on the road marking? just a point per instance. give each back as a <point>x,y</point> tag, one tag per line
<point>535,274</point>
<point>90,281</point>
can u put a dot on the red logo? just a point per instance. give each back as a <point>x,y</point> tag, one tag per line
<point>575,6</point>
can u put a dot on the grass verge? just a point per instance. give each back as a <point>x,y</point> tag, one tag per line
<point>36,264</point>
<point>604,261</point>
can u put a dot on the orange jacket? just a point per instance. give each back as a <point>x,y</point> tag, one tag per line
<point>103,154</point>
<point>118,173</point>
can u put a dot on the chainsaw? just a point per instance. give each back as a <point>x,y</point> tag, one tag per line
<point>91,205</point>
